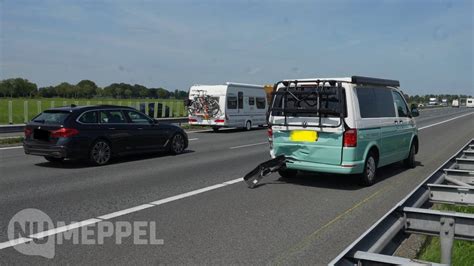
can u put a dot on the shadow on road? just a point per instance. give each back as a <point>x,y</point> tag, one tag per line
<point>75,164</point>
<point>230,131</point>
<point>334,181</point>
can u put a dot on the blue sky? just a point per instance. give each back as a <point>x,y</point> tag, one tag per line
<point>426,44</point>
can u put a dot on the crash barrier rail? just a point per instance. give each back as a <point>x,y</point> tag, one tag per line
<point>452,183</point>
<point>19,127</point>
<point>22,111</point>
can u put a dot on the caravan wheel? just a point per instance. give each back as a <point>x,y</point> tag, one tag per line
<point>248,125</point>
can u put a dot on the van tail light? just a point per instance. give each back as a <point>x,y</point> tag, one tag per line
<point>270,132</point>
<point>350,138</point>
<point>64,133</point>
<point>28,132</point>
<point>192,120</point>
<point>219,121</point>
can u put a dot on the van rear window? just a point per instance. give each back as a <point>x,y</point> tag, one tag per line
<point>52,117</point>
<point>310,102</point>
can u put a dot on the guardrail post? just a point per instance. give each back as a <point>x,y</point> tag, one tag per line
<point>64,103</point>
<point>171,109</point>
<point>163,109</point>
<point>52,104</point>
<point>76,103</point>
<point>38,106</point>
<point>446,235</point>
<point>10,112</point>
<point>88,103</point>
<point>120,103</point>
<point>25,112</point>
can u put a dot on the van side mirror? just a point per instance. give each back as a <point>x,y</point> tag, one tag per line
<point>414,110</point>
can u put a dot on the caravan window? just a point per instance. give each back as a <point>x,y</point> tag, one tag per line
<point>231,102</point>
<point>241,99</point>
<point>260,103</point>
<point>251,101</point>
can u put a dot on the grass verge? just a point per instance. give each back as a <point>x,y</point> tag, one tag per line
<point>10,141</point>
<point>463,251</point>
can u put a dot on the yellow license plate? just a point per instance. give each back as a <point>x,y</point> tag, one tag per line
<point>303,135</point>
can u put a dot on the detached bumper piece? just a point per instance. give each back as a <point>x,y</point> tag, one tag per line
<point>253,177</point>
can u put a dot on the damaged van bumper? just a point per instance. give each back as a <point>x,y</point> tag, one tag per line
<point>350,168</point>
<point>347,167</point>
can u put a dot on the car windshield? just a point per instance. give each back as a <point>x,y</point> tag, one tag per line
<point>52,117</point>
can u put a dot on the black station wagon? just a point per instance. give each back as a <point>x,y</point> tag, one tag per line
<point>97,133</point>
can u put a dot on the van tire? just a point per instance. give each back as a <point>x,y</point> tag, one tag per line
<point>215,129</point>
<point>248,126</point>
<point>368,176</point>
<point>287,173</point>
<point>410,162</point>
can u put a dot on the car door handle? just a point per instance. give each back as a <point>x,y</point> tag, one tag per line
<point>140,128</point>
<point>111,128</point>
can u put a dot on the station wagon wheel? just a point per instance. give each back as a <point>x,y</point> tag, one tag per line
<point>177,144</point>
<point>100,153</point>
<point>367,178</point>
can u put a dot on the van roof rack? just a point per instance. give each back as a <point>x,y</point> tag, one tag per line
<point>354,80</point>
<point>375,81</point>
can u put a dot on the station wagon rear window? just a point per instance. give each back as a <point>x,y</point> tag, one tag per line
<point>52,117</point>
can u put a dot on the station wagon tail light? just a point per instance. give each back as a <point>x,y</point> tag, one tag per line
<point>219,121</point>
<point>350,138</point>
<point>64,133</point>
<point>28,132</point>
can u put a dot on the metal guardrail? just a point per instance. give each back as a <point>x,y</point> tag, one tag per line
<point>452,183</point>
<point>19,127</point>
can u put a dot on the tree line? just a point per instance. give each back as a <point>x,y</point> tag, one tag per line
<point>19,87</point>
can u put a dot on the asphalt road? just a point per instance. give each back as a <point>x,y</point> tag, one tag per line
<point>306,220</point>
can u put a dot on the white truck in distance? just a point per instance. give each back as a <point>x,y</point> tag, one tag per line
<point>470,102</point>
<point>455,103</point>
<point>433,101</point>
<point>229,105</point>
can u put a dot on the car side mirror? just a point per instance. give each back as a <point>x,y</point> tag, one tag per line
<point>414,111</point>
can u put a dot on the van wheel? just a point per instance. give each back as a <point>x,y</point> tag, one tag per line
<point>287,173</point>
<point>410,161</point>
<point>53,159</point>
<point>100,152</point>
<point>367,178</point>
<point>248,125</point>
<point>215,129</point>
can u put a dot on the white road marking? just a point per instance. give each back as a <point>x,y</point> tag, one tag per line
<point>193,139</point>
<point>11,148</point>
<point>62,229</point>
<point>445,121</point>
<point>248,145</point>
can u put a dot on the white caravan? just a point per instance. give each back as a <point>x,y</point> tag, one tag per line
<point>229,105</point>
<point>470,102</point>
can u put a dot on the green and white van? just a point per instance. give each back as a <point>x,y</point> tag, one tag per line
<point>341,125</point>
